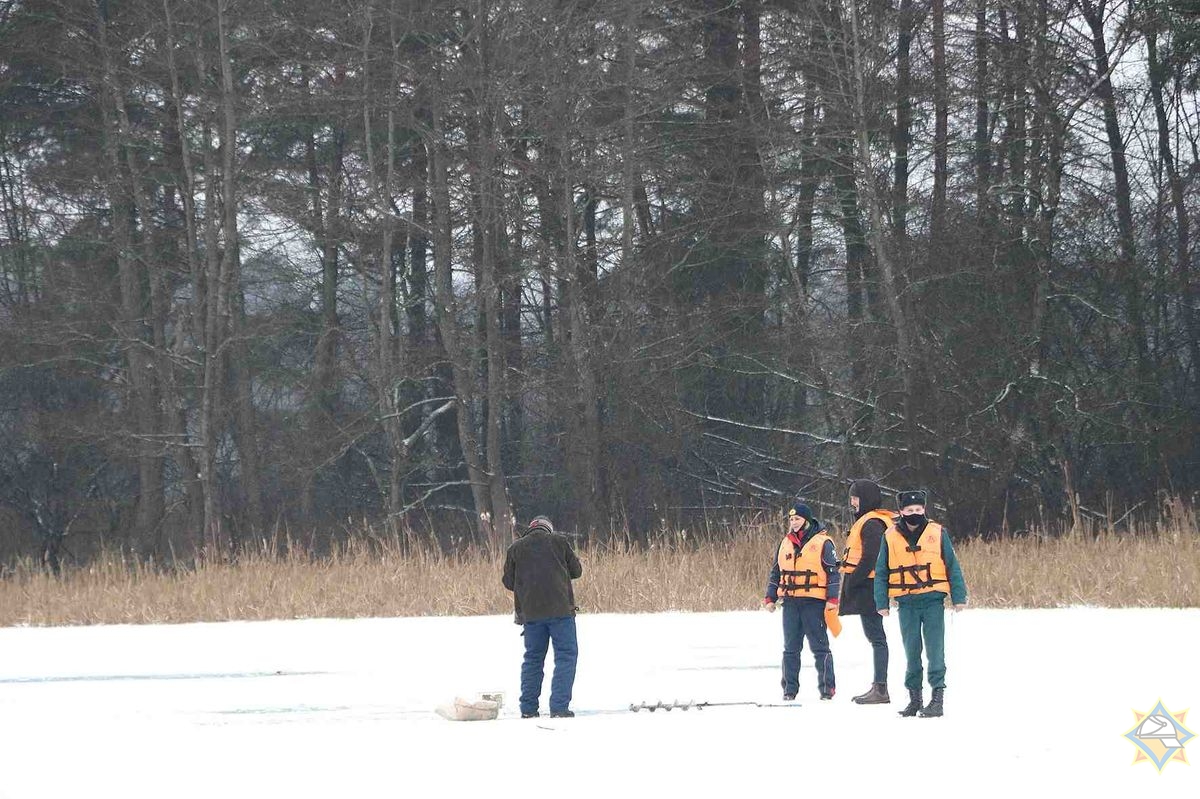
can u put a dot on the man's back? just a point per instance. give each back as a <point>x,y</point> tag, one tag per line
<point>538,569</point>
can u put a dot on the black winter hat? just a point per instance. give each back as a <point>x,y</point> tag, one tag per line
<point>868,493</point>
<point>800,509</point>
<point>914,497</point>
<point>540,523</point>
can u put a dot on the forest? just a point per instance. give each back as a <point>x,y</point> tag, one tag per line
<point>314,270</point>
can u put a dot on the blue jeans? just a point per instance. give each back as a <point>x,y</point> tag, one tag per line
<point>538,635</point>
<point>805,618</point>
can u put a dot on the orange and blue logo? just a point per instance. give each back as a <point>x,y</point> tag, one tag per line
<point>1160,736</point>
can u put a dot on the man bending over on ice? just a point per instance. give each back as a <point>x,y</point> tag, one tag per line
<point>538,568</point>
<point>805,579</point>
<point>921,569</point>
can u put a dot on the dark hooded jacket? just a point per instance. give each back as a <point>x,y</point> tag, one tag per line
<point>538,569</point>
<point>858,590</point>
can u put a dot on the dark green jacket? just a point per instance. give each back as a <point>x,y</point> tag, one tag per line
<point>958,586</point>
<point>538,569</point>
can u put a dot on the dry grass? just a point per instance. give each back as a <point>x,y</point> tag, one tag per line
<point>1088,567</point>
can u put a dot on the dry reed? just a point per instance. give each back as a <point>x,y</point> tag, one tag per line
<point>368,577</point>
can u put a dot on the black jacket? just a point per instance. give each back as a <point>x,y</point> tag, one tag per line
<point>538,569</point>
<point>858,590</point>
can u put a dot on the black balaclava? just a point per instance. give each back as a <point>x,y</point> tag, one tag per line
<point>869,496</point>
<point>915,521</point>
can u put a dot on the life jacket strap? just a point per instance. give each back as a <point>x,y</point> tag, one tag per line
<point>920,574</point>
<point>807,574</point>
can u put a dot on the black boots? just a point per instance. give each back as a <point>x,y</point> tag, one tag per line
<point>934,708</point>
<point>914,703</point>
<point>877,695</point>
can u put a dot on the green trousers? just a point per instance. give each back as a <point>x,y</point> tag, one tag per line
<point>924,616</point>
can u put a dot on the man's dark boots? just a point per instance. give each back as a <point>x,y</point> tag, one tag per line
<point>878,695</point>
<point>934,708</point>
<point>914,703</point>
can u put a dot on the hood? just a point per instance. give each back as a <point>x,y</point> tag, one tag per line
<point>869,496</point>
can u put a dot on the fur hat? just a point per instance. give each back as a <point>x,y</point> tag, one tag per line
<point>912,497</point>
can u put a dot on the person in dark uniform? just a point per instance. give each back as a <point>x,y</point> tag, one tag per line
<point>921,570</point>
<point>805,578</point>
<point>538,568</point>
<point>858,580</point>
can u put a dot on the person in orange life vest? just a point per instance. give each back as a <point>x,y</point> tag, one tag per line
<point>858,580</point>
<point>805,579</point>
<point>921,569</point>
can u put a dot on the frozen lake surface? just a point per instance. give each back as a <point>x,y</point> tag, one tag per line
<point>1038,701</point>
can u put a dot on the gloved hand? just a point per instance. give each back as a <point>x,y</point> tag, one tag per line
<point>768,605</point>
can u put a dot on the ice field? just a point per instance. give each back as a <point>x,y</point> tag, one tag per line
<point>1037,702</point>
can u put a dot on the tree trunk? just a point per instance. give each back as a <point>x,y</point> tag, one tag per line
<point>937,213</point>
<point>446,312</point>
<point>189,334</point>
<point>589,481</point>
<point>215,305</point>
<point>325,225</point>
<point>887,271</point>
<point>512,257</point>
<point>1046,160</point>
<point>1183,260</point>
<point>161,421</point>
<point>903,131</point>
<point>145,402</point>
<point>489,172</point>
<point>983,154</point>
<point>811,171</point>
<point>1129,272</point>
<point>1016,103</point>
<point>388,347</point>
<point>629,142</point>
<point>245,429</point>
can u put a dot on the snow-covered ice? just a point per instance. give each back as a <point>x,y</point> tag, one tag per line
<point>1037,701</point>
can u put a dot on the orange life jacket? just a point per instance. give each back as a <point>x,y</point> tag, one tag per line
<point>854,545</point>
<point>918,569</point>
<point>803,574</point>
